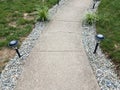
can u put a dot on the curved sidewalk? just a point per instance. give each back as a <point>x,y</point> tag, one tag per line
<point>58,61</point>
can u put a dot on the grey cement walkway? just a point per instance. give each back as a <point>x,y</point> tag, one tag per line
<point>58,61</point>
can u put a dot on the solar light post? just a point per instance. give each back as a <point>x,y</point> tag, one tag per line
<point>94,2</point>
<point>14,44</point>
<point>99,37</point>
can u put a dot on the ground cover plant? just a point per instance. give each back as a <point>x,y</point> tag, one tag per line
<point>109,26</point>
<point>17,19</point>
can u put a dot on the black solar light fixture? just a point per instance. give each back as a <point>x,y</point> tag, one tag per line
<point>14,44</point>
<point>94,3</point>
<point>99,38</point>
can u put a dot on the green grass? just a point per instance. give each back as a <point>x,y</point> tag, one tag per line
<point>13,25</point>
<point>109,26</point>
<point>17,19</point>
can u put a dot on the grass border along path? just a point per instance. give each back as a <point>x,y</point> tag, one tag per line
<point>109,25</point>
<point>17,20</point>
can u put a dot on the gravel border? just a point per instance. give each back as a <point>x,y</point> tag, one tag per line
<point>14,68</point>
<point>102,67</point>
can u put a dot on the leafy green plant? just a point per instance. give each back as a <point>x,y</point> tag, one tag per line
<point>91,18</point>
<point>42,13</point>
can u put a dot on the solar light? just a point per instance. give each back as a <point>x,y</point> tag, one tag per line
<point>14,44</point>
<point>95,1</point>
<point>99,37</point>
<point>93,5</point>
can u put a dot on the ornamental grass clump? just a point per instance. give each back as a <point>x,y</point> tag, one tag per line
<point>91,18</point>
<point>42,13</point>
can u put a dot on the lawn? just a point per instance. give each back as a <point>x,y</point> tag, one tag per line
<point>17,19</point>
<point>109,26</point>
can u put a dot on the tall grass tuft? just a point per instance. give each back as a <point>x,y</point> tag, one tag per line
<point>42,13</point>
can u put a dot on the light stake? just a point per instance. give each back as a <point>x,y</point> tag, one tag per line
<point>99,37</point>
<point>14,44</point>
<point>94,2</point>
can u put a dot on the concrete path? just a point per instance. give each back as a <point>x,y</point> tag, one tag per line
<point>58,61</point>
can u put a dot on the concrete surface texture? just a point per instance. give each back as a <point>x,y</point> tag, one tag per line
<point>58,60</point>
